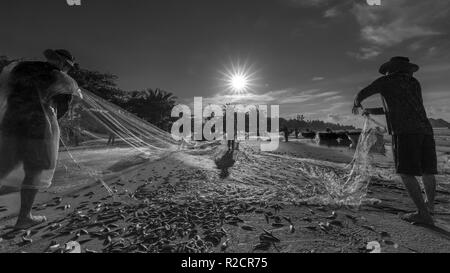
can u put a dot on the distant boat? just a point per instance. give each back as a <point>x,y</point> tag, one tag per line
<point>309,135</point>
<point>327,138</point>
<point>338,138</point>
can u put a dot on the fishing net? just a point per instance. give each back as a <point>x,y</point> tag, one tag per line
<point>349,188</point>
<point>97,140</point>
<point>74,140</point>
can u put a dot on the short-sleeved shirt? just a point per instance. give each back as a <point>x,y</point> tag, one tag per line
<point>402,95</point>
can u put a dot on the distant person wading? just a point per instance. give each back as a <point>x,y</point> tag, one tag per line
<point>35,95</point>
<point>413,142</point>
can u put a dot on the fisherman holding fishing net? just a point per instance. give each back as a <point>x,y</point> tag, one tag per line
<point>413,142</point>
<point>33,96</point>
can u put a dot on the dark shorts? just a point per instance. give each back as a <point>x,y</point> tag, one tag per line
<point>35,154</point>
<point>414,154</point>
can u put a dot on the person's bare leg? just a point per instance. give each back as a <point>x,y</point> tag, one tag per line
<point>429,182</point>
<point>27,197</point>
<point>415,192</point>
<point>7,165</point>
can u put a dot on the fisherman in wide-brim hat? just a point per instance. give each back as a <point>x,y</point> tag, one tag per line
<point>398,64</point>
<point>37,94</point>
<point>413,142</point>
<point>61,58</point>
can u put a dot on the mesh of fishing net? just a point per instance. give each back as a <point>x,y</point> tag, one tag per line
<point>349,188</point>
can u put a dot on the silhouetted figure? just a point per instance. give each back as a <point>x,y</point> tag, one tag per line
<point>74,136</point>
<point>111,139</point>
<point>230,145</point>
<point>413,141</point>
<point>39,94</point>
<point>232,141</point>
<point>285,131</point>
<point>297,132</point>
<point>224,163</point>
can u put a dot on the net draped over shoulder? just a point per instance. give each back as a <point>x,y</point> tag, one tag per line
<point>33,95</point>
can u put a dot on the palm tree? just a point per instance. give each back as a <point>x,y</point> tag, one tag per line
<point>155,106</point>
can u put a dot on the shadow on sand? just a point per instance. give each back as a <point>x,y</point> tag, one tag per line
<point>224,163</point>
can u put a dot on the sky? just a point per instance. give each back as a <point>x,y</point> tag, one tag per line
<point>309,56</point>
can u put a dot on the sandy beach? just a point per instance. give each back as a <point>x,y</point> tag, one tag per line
<point>212,201</point>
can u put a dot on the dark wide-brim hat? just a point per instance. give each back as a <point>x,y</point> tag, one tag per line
<point>398,64</point>
<point>60,54</point>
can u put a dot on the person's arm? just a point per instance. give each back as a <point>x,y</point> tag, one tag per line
<point>372,89</point>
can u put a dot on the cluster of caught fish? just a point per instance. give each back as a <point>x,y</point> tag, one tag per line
<point>154,222</point>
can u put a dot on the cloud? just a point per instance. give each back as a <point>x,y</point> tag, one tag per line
<point>318,79</point>
<point>397,21</point>
<point>365,53</point>
<point>394,33</point>
<point>333,98</point>
<point>307,96</point>
<point>334,118</point>
<point>287,98</point>
<point>331,13</point>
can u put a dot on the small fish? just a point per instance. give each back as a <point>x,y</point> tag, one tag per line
<point>113,226</point>
<point>267,238</point>
<point>107,241</point>
<point>262,246</point>
<point>27,239</point>
<point>291,229</point>
<point>54,247</point>
<point>332,216</point>
<point>351,217</point>
<point>371,228</point>
<point>248,228</point>
<point>325,226</point>
<point>48,235</point>
<point>224,246</point>
<point>84,232</point>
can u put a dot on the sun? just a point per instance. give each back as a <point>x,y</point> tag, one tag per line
<point>239,83</point>
<point>239,78</point>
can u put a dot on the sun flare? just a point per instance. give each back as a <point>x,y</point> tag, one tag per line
<point>239,82</point>
<point>239,79</point>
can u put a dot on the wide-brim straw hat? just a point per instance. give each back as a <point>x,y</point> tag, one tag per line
<point>60,54</point>
<point>398,64</point>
